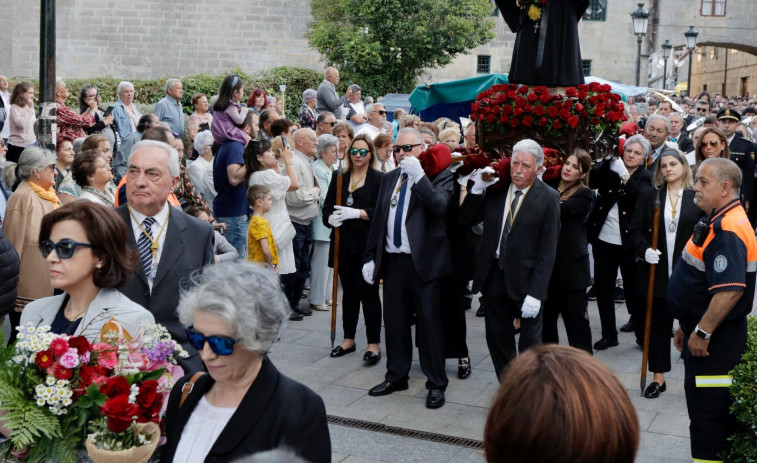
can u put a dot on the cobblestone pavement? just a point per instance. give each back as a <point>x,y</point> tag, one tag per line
<point>343,383</point>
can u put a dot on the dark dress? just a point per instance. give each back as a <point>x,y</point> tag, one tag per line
<point>550,54</point>
<point>352,239</point>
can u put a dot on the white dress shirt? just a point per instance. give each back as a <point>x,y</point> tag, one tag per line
<point>390,247</point>
<point>508,201</point>
<point>160,219</point>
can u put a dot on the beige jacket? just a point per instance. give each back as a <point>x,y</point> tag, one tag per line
<point>302,204</point>
<point>23,218</point>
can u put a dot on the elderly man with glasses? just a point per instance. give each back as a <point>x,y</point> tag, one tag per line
<point>325,123</point>
<point>376,120</point>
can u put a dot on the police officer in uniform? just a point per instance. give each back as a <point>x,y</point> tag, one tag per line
<point>710,292</point>
<point>742,151</point>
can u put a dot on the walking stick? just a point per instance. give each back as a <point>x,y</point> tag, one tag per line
<point>650,296</point>
<point>335,285</point>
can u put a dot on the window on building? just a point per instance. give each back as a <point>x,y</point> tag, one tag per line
<point>713,7</point>
<point>484,64</point>
<point>597,10</point>
<point>586,66</point>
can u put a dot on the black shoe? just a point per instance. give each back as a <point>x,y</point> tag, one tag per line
<point>463,368</point>
<point>369,358</point>
<point>605,343</point>
<point>628,327</point>
<point>639,342</point>
<point>306,311</point>
<point>654,390</point>
<point>339,351</point>
<point>386,388</point>
<point>591,294</point>
<point>435,398</point>
<point>620,295</point>
<point>295,316</point>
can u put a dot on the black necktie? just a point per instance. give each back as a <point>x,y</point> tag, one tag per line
<point>508,225</point>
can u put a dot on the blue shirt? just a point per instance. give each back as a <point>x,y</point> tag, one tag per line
<point>231,201</point>
<point>169,110</point>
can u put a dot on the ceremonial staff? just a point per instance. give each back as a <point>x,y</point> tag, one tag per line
<point>650,295</point>
<point>335,285</point>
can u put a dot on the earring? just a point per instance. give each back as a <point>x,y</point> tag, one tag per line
<point>99,266</point>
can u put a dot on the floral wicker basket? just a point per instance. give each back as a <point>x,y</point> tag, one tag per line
<point>131,455</point>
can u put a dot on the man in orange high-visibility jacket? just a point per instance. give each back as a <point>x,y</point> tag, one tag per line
<point>710,292</point>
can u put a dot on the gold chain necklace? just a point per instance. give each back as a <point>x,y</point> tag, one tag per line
<point>154,242</point>
<point>674,208</point>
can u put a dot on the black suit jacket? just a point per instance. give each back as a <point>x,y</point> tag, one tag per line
<point>572,262</point>
<point>742,153</point>
<point>275,412</point>
<point>188,247</point>
<point>531,246</point>
<point>425,223</point>
<point>611,190</point>
<point>641,227</point>
<point>685,143</point>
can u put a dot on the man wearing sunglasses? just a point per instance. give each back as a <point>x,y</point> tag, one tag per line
<point>408,247</point>
<point>376,120</point>
<point>325,123</point>
<point>171,245</point>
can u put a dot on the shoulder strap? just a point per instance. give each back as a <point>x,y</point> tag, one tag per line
<point>188,386</point>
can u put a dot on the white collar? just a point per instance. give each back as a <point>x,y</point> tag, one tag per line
<point>160,217</point>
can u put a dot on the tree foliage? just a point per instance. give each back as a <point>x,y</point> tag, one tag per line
<point>385,45</point>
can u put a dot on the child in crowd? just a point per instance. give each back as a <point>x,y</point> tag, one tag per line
<point>260,244</point>
<point>228,114</point>
<point>222,250</point>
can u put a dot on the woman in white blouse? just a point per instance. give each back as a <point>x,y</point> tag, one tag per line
<point>92,173</point>
<point>678,215</point>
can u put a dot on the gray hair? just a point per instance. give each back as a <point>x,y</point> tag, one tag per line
<point>369,108</point>
<point>529,146</point>
<point>355,88</point>
<point>368,100</point>
<point>173,155</point>
<point>325,142</point>
<point>171,83</point>
<point>308,94</point>
<point>725,170</point>
<point>418,136</point>
<point>646,147</point>
<point>122,85</point>
<point>32,158</point>
<point>654,117</point>
<point>246,295</point>
<point>203,139</point>
<point>8,170</point>
<point>675,114</point>
<point>429,132</point>
<point>77,144</point>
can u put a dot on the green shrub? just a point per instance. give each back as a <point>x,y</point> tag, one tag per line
<point>744,407</point>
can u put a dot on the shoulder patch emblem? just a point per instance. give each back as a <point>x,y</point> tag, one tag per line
<point>720,264</point>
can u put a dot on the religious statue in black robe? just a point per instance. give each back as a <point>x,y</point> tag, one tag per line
<point>547,50</point>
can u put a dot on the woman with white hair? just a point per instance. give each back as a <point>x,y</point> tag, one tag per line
<point>306,117</point>
<point>203,142</point>
<point>125,112</point>
<point>234,313</point>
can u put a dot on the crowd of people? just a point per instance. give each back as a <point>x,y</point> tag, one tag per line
<point>341,186</point>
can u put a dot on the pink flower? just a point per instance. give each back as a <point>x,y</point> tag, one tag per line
<point>70,359</point>
<point>107,356</point>
<point>84,358</point>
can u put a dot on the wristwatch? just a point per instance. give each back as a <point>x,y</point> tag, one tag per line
<point>702,333</point>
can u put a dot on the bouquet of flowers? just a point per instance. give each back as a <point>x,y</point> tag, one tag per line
<point>54,387</point>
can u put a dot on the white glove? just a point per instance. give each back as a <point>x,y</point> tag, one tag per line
<point>336,220</point>
<point>412,167</point>
<point>652,256</point>
<point>347,213</point>
<point>530,307</point>
<point>368,269</point>
<point>453,168</point>
<point>617,166</point>
<point>480,184</point>
<point>463,179</point>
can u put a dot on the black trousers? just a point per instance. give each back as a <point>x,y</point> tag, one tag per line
<point>355,291</point>
<point>659,336</point>
<point>501,312</point>
<point>405,293</point>
<point>607,258</point>
<point>294,283</point>
<point>453,315</point>
<point>569,304</point>
<point>13,153</point>
<point>707,398</point>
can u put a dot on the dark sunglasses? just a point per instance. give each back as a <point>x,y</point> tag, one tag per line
<point>711,142</point>
<point>363,152</point>
<point>332,124</point>
<point>381,112</point>
<point>65,248</point>
<point>405,148</point>
<point>701,110</point>
<point>220,345</point>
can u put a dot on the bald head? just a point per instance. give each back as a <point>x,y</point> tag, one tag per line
<point>306,142</point>
<point>4,83</point>
<point>332,75</point>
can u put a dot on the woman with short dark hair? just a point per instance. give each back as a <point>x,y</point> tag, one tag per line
<point>92,174</point>
<point>83,244</point>
<point>103,125</point>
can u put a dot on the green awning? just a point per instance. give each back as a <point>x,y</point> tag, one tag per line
<point>427,95</point>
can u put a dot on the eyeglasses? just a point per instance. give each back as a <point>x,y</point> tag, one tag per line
<point>711,143</point>
<point>405,148</point>
<point>363,152</point>
<point>701,110</point>
<point>332,124</point>
<point>65,248</point>
<point>220,345</point>
<point>381,112</point>
<point>91,96</point>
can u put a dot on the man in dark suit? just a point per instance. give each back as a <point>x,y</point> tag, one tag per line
<point>518,249</point>
<point>410,215</point>
<point>171,244</point>
<point>742,153</point>
<point>677,136</point>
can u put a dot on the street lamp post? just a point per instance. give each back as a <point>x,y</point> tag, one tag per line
<point>691,44</point>
<point>640,19</point>
<point>666,48</point>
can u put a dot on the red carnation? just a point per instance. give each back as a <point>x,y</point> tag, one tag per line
<point>81,344</point>
<point>503,119</point>
<point>573,122</point>
<point>490,119</point>
<point>582,95</point>
<point>528,121</point>
<point>507,110</point>
<point>120,413</point>
<point>599,111</point>
<point>557,125</point>
<point>605,88</point>
<point>481,117</point>
<point>583,87</point>
<point>543,2</point>
<point>532,97</point>
<point>58,347</point>
<point>539,110</point>
<point>115,386</point>
<point>579,107</point>
<point>593,100</point>
<point>552,112</point>
<point>571,92</point>
<point>542,122</point>
<point>523,89</point>
<point>511,95</point>
<point>514,122</point>
<point>61,372</point>
<point>44,359</point>
<point>594,121</point>
<point>487,109</point>
<point>528,108</point>
<point>564,114</point>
